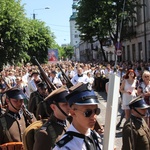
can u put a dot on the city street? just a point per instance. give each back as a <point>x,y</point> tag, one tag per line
<point>101,119</point>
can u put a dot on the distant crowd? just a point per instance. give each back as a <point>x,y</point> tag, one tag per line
<point>97,74</point>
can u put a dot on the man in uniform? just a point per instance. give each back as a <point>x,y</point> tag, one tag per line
<point>14,121</point>
<point>37,96</point>
<point>84,110</point>
<point>55,127</point>
<point>136,134</point>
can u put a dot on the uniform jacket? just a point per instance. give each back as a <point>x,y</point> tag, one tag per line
<point>141,134</point>
<point>34,100</point>
<point>15,125</point>
<point>49,134</point>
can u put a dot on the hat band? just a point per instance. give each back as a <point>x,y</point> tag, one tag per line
<point>82,99</point>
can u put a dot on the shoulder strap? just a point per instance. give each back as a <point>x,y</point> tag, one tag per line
<point>65,139</point>
<point>5,130</point>
<point>75,134</point>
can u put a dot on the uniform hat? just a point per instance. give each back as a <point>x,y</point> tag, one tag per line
<point>82,94</point>
<point>138,103</point>
<point>57,96</point>
<point>15,93</point>
<point>42,85</point>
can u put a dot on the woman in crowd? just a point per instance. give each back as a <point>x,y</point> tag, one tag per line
<point>144,90</point>
<point>128,90</point>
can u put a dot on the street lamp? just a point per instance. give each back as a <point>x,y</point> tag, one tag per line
<point>39,9</point>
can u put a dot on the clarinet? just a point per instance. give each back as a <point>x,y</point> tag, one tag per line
<point>27,114</point>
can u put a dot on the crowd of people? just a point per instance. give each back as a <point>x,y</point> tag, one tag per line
<point>26,98</point>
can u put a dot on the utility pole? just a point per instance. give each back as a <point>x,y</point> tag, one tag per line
<point>38,9</point>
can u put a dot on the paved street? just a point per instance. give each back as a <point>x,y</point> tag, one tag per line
<point>101,118</point>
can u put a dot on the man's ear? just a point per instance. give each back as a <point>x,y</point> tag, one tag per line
<point>7,100</point>
<point>72,112</point>
<point>53,106</point>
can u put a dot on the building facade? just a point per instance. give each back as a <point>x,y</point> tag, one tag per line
<point>74,33</point>
<point>135,49</point>
<point>138,48</point>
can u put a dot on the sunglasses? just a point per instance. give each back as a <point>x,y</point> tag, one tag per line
<point>89,112</point>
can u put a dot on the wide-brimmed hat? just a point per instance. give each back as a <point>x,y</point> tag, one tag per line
<point>15,93</point>
<point>138,103</point>
<point>57,96</point>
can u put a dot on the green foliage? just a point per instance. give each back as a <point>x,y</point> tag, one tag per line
<point>22,38</point>
<point>40,39</point>
<point>13,37</point>
<point>68,52</point>
<point>102,18</point>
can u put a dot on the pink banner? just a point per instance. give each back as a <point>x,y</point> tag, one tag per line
<point>52,55</point>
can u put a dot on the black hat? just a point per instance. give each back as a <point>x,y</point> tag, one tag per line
<point>57,96</point>
<point>82,94</point>
<point>138,103</point>
<point>42,85</point>
<point>15,93</point>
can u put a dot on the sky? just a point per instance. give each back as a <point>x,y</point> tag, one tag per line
<point>56,17</point>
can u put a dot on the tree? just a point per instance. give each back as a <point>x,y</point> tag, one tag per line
<point>22,38</point>
<point>104,19</point>
<point>69,51</point>
<point>13,32</point>
<point>40,39</point>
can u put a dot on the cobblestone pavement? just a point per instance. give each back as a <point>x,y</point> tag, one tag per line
<point>101,118</point>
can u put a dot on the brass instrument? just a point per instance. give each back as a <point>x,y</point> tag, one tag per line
<point>68,82</point>
<point>45,78</point>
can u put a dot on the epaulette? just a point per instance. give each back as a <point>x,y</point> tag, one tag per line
<point>64,141</point>
<point>45,126</point>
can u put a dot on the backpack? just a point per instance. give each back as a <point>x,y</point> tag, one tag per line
<point>29,133</point>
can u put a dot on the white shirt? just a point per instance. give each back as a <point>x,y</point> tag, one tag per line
<point>57,82</point>
<point>70,74</point>
<point>76,143</point>
<point>31,87</point>
<point>76,79</point>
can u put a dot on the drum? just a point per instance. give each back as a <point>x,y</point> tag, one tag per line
<point>12,146</point>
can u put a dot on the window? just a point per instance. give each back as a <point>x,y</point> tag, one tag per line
<point>76,35</point>
<point>139,16</point>
<point>140,50</point>
<point>133,52</point>
<point>128,52</point>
